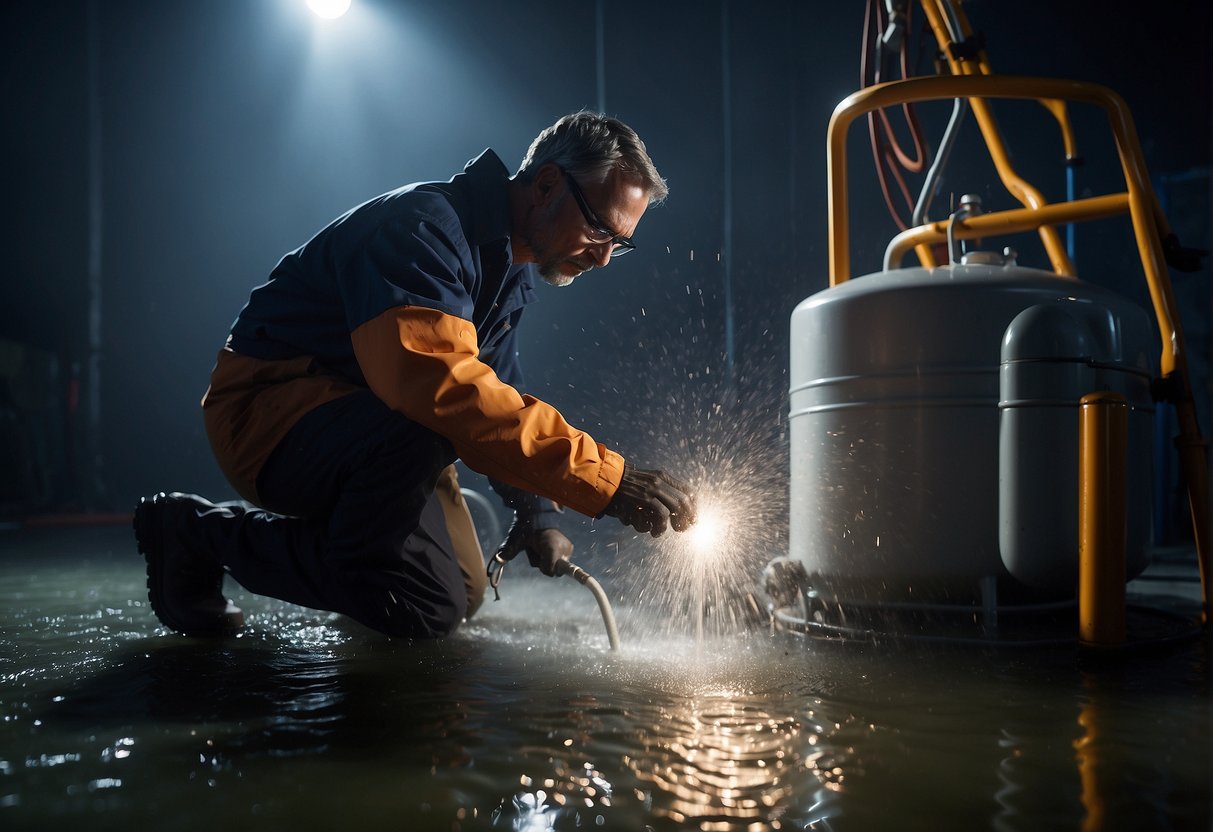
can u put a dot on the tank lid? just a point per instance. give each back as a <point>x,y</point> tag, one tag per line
<point>1007,257</point>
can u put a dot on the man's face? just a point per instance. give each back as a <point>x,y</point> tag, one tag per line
<point>562,237</point>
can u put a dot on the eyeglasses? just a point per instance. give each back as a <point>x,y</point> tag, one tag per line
<point>597,231</point>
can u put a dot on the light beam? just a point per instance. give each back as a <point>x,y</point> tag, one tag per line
<point>329,9</point>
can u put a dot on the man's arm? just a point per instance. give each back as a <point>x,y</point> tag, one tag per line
<point>424,363</point>
<point>421,357</point>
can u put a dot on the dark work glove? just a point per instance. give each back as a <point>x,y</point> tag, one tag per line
<point>651,501</point>
<point>534,529</point>
<point>543,546</point>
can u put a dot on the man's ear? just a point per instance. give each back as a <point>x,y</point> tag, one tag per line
<point>544,184</point>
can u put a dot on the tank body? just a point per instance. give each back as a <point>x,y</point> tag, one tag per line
<point>897,416</point>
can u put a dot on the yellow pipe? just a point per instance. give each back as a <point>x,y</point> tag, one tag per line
<point>1020,188</point>
<point>936,17</point>
<point>926,255</point>
<point>1058,109</point>
<point>1149,224</point>
<point>1103,431</point>
<point>1005,222</point>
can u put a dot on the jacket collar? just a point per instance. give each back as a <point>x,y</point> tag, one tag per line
<point>487,182</point>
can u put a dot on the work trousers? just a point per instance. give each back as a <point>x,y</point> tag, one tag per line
<point>362,515</point>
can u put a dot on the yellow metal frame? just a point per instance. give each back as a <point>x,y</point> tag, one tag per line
<point>973,82</point>
<point>977,64</point>
<point>1005,222</point>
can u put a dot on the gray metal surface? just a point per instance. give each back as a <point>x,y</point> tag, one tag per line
<point>894,421</point>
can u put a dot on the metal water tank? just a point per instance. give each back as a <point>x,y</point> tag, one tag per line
<point>895,428</point>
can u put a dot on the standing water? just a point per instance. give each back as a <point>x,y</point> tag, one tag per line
<point>524,720</point>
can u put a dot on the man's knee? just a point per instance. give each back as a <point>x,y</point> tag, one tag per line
<point>461,532</point>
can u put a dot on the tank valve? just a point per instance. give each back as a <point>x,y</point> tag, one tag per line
<point>970,206</point>
<point>783,581</point>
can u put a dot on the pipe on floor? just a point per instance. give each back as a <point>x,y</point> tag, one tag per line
<point>567,567</point>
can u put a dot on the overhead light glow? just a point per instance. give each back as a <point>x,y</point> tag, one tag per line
<point>329,9</point>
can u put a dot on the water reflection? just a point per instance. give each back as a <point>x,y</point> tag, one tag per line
<point>568,792</point>
<point>525,721</point>
<point>1086,750</point>
<point>721,761</point>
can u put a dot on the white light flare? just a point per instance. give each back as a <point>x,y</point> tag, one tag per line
<point>705,556</point>
<point>708,537</point>
<point>713,551</point>
<point>329,9</point>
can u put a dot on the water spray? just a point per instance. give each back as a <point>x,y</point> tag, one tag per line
<point>703,541</point>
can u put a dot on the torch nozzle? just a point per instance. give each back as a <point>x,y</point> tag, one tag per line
<point>564,566</point>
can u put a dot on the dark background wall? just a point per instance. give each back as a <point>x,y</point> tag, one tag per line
<point>227,131</point>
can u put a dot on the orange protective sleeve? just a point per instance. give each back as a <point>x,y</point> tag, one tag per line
<point>424,364</point>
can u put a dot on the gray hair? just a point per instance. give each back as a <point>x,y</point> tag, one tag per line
<point>589,145</point>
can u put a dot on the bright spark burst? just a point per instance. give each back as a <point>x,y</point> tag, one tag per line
<point>702,576</point>
<point>704,539</point>
<point>672,402</point>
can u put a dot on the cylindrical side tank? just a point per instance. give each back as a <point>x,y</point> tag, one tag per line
<point>894,422</point>
<point>1052,354</point>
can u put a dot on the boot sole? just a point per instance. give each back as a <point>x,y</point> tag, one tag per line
<point>149,537</point>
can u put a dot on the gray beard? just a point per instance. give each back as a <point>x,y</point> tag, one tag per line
<point>551,274</point>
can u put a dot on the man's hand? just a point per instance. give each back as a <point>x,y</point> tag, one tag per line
<point>543,546</point>
<point>651,501</point>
